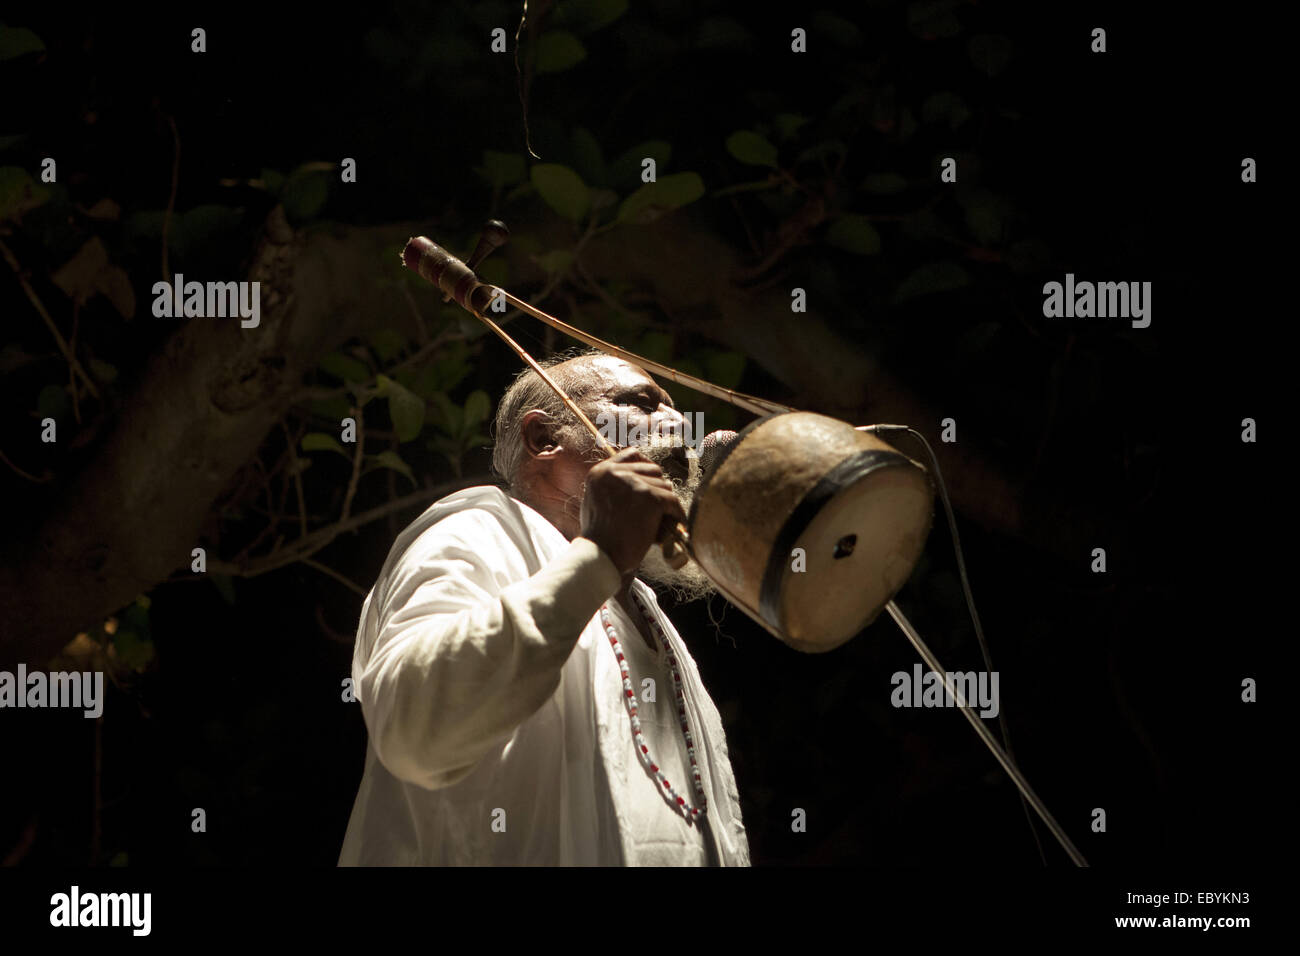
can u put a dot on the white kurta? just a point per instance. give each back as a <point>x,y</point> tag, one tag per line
<point>498,733</point>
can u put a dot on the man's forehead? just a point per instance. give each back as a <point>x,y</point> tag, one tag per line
<point>608,372</point>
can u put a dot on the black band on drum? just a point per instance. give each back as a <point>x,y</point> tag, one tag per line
<point>841,476</point>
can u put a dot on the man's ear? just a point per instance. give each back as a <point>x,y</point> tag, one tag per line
<point>538,433</point>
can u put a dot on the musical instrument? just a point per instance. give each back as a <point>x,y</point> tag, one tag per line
<point>806,523</point>
<point>813,523</point>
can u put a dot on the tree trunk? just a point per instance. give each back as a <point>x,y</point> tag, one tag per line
<point>199,413</point>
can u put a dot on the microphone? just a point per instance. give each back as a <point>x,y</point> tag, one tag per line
<point>713,446</point>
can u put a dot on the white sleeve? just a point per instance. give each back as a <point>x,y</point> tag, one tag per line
<point>462,657</point>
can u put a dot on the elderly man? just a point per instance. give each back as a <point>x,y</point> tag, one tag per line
<point>527,701</point>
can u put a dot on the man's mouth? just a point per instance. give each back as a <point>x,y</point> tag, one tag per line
<point>676,465</point>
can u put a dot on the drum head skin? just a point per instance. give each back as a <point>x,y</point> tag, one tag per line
<point>811,526</point>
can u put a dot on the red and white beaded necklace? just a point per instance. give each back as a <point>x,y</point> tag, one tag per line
<point>629,701</point>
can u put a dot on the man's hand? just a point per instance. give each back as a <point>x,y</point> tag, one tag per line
<point>627,498</point>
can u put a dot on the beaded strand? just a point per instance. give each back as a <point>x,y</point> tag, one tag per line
<point>629,701</point>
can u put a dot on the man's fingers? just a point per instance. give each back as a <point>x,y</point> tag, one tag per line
<point>631,453</point>
<point>656,482</point>
<point>642,468</point>
<point>671,503</point>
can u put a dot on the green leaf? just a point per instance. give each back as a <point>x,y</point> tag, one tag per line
<point>388,343</point>
<point>933,19</point>
<point>558,50</point>
<point>345,368</point>
<point>990,52</point>
<point>203,224</point>
<point>945,105</point>
<point>135,617</point>
<point>477,407</point>
<point>562,189</point>
<point>557,260</point>
<point>749,147</point>
<point>450,416</point>
<point>425,382</point>
<point>626,170</point>
<point>272,180</point>
<point>823,150</point>
<point>103,373</point>
<point>884,184</point>
<point>933,278</point>
<point>19,192</point>
<point>335,408</point>
<point>515,192</point>
<point>855,234</point>
<point>986,215</point>
<point>503,169</point>
<point>839,30</point>
<point>53,402</point>
<point>407,411</point>
<point>319,441</point>
<point>133,649</point>
<point>654,199</point>
<point>77,276</point>
<point>145,224</point>
<point>586,16</point>
<point>587,156</point>
<point>15,41</point>
<point>1029,255</point>
<point>304,194</point>
<point>453,365</point>
<point>390,459</point>
<point>723,33</point>
<point>787,124</point>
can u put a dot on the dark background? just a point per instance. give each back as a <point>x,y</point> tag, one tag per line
<point>1122,690</point>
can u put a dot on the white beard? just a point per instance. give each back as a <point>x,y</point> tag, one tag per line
<point>689,582</point>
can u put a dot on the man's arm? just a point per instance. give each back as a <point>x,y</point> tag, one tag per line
<point>461,659</point>
<point>459,662</point>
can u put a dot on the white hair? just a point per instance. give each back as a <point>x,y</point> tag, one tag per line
<point>528,392</point>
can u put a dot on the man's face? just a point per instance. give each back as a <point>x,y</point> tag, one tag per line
<point>631,409</point>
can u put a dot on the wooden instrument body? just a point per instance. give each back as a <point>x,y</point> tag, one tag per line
<point>811,526</point>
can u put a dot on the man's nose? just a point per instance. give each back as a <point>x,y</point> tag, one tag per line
<point>669,421</point>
